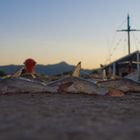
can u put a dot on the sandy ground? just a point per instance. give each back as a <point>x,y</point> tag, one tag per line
<point>69,117</point>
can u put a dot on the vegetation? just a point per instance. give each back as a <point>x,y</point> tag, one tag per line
<point>67,73</point>
<point>95,72</point>
<point>64,74</point>
<point>2,73</point>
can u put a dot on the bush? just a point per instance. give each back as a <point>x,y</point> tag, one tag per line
<point>95,72</point>
<point>2,73</point>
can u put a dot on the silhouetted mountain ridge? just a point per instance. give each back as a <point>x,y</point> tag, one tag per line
<point>50,69</point>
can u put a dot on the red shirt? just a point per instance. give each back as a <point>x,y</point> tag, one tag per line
<point>29,65</point>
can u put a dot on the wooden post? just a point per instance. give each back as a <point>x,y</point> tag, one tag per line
<point>138,65</point>
<point>114,71</point>
<point>104,75</point>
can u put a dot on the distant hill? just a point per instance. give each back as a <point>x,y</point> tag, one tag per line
<point>52,69</point>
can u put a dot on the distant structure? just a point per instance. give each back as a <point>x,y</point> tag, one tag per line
<point>122,66</point>
<point>128,30</point>
<point>126,64</point>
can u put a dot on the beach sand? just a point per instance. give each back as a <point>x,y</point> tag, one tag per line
<point>69,117</point>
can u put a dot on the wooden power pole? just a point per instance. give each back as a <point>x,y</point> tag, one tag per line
<point>128,30</point>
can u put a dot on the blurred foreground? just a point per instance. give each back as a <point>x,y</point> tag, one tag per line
<point>69,117</point>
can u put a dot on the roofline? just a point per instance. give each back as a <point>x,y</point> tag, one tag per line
<point>137,51</point>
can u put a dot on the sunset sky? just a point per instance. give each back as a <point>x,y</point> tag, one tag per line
<point>51,31</point>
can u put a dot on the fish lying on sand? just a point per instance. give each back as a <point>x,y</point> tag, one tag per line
<point>22,85</point>
<point>80,85</point>
<point>125,85</point>
<point>77,85</point>
<point>65,85</point>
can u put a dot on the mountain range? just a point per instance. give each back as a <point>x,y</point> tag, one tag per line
<point>52,69</point>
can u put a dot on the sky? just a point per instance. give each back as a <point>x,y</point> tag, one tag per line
<point>51,31</point>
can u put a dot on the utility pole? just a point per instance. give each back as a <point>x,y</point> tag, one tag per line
<point>128,30</point>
